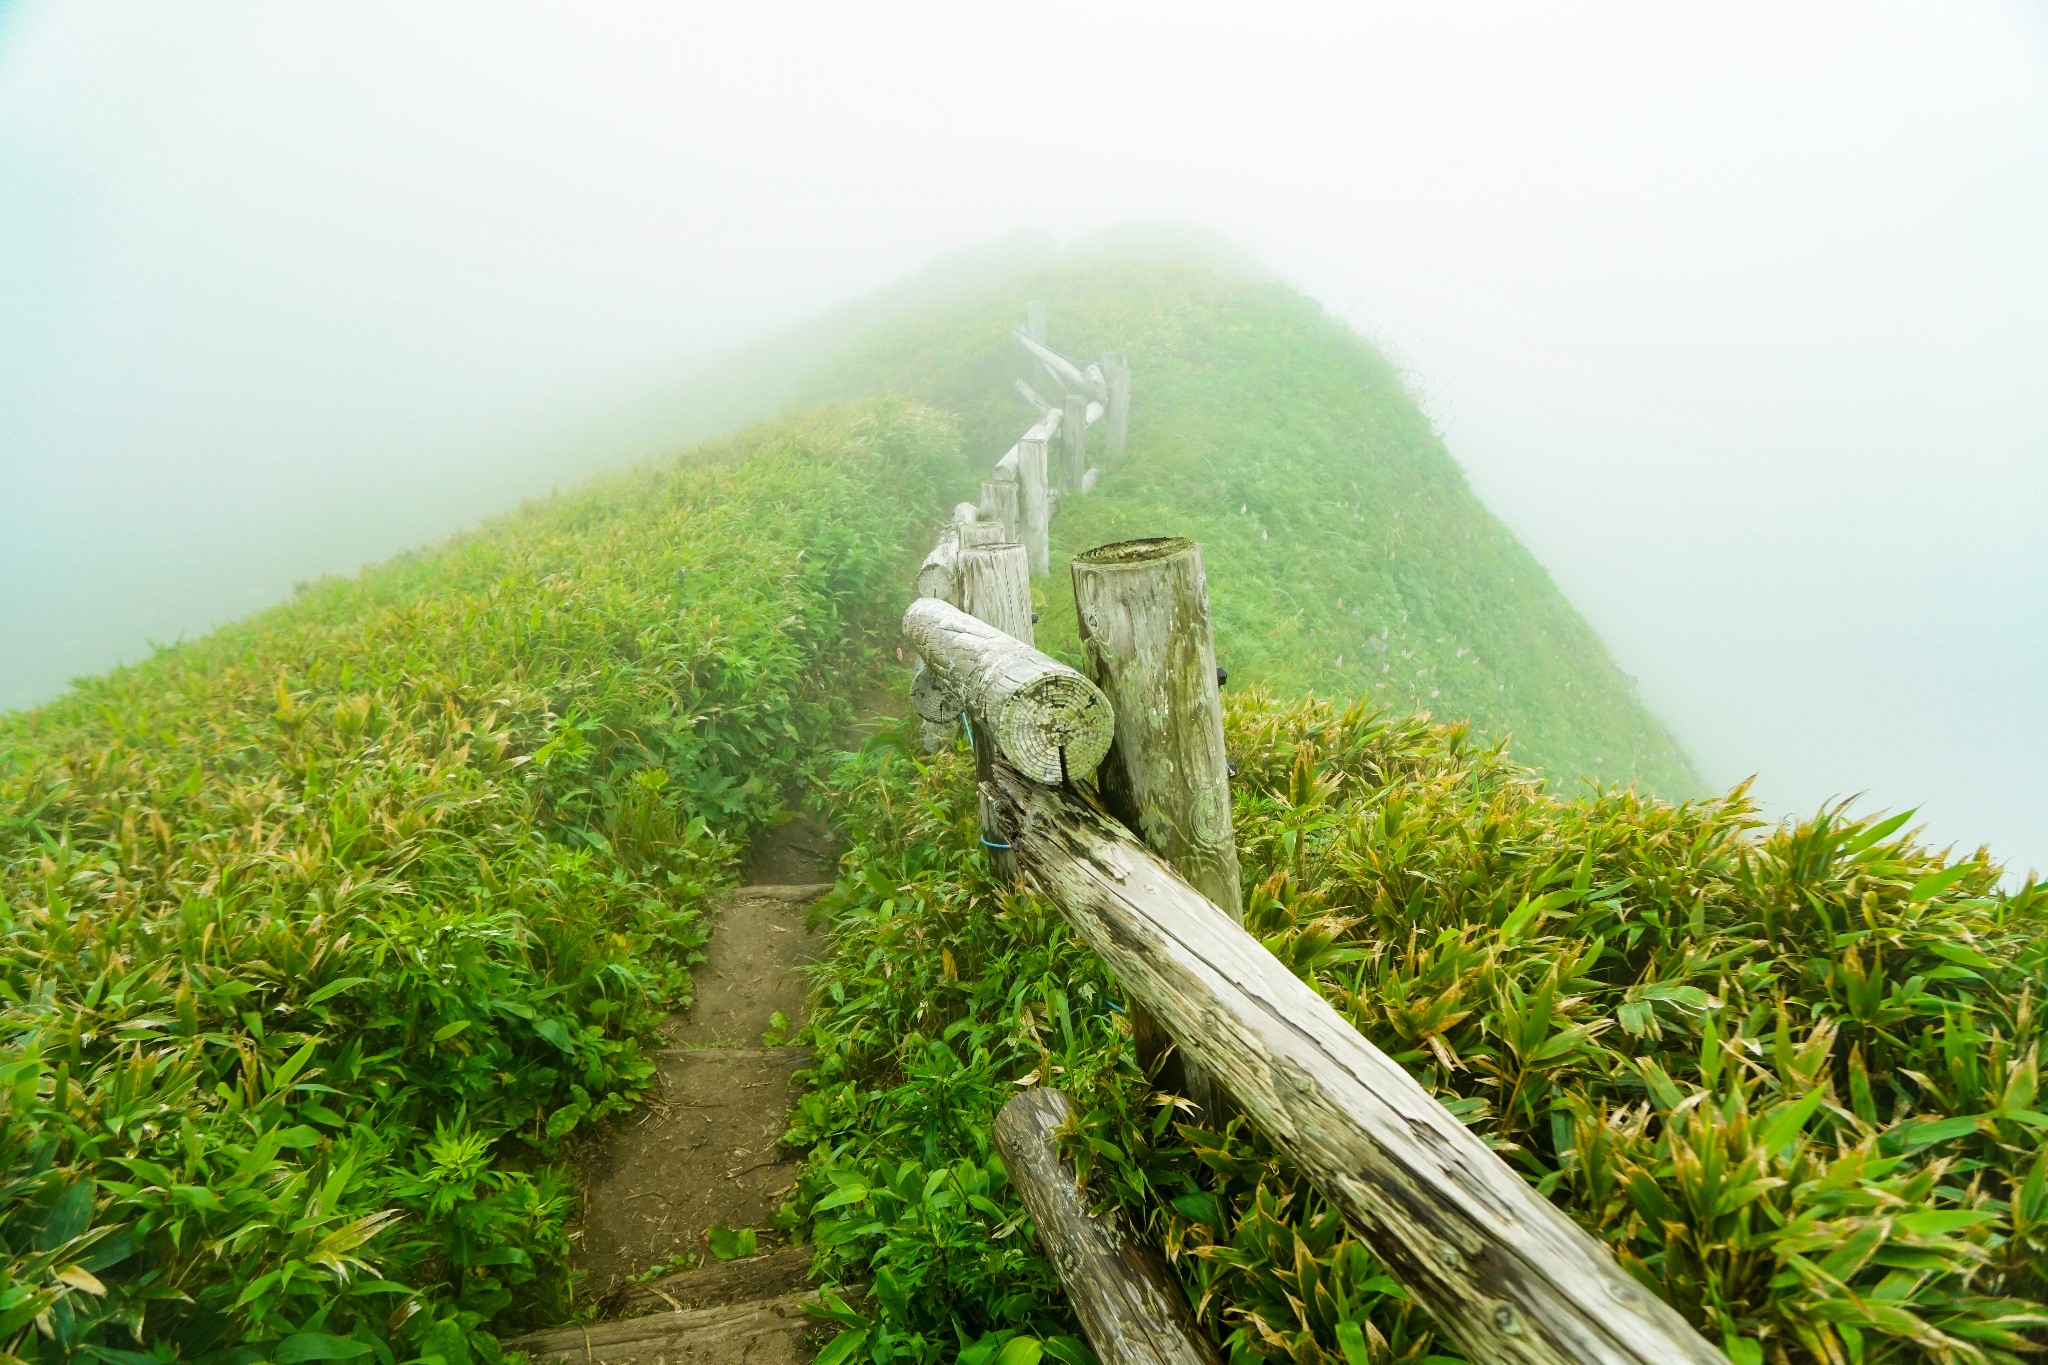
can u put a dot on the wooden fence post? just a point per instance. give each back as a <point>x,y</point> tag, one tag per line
<point>939,575</point>
<point>1034,319</point>
<point>975,535</point>
<point>999,505</point>
<point>1034,505</point>
<point>1143,608</point>
<point>995,586</point>
<point>1073,443</point>
<point>1116,369</point>
<point>1129,1303</point>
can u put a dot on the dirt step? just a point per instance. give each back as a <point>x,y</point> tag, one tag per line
<point>753,967</point>
<point>704,1150</point>
<point>705,1154</point>
<point>771,1331</point>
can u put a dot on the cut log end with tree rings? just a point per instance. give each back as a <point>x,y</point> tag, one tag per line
<point>1052,724</point>
<point>1056,728</point>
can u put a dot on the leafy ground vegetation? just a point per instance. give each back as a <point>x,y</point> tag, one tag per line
<point>1346,555</point>
<point>1790,1075</point>
<point>319,937</point>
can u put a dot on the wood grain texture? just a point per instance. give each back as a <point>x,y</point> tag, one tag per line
<point>995,587</point>
<point>764,1330</point>
<point>1129,1304</point>
<point>936,736</point>
<point>975,535</point>
<point>1116,368</point>
<point>1034,505</point>
<point>999,506</point>
<point>1073,444</point>
<point>1143,608</point>
<point>1049,721</point>
<point>939,575</point>
<point>928,696</point>
<point>1504,1273</point>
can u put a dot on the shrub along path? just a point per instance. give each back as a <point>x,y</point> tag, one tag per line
<point>673,1245</point>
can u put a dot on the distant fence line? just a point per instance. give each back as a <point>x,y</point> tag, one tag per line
<point>1145,868</point>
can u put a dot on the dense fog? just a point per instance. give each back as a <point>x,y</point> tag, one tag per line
<point>1739,319</point>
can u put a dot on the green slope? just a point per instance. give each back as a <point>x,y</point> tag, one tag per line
<point>1346,554</point>
<point>366,903</point>
<point>319,936</point>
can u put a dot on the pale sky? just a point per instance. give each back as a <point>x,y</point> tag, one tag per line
<point>1738,317</point>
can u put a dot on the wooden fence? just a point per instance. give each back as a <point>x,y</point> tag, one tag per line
<point>1108,793</point>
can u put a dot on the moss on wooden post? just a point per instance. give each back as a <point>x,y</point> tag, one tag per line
<point>1143,607</point>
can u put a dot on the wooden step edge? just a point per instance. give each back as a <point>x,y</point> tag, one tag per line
<point>784,1270</point>
<point>667,1333</point>
<point>776,891</point>
<point>789,1052</point>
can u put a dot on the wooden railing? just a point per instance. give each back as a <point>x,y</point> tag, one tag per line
<point>1108,793</point>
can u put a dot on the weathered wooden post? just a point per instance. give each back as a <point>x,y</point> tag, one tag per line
<point>1116,369</point>
<point>995,587</point>
<point>1052,724</point>
<point>999,505</point>
<point>975,535</point>
<point>1034,504</point>
<point>1128,1302</point>
<point>1143,607</point>
<point>1034,319</point>
<point>1073,443</point>
<point>939,575</point>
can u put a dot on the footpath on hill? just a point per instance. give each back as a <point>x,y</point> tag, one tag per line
<point>699,1170</point>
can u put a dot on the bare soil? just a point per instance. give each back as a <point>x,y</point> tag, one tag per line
<point>705,1150</point>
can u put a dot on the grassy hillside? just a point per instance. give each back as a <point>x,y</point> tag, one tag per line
<point>1346,554</point>
<point>1791,1078</point>
<point>320,935</point>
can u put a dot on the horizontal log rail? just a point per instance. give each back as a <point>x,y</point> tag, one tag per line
<point>1506,1274</point>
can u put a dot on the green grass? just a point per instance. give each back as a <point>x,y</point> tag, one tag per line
<point>319,936</point>
<point>1345,553</point>
<point>1790,1076</point>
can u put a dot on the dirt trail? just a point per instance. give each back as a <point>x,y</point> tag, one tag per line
<point>704,1150</point>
